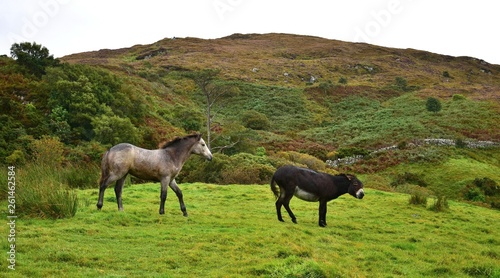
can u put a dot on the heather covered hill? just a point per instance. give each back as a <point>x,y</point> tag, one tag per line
<point>294,60</point>
<point>273,99</point>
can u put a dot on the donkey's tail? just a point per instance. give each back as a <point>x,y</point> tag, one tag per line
<point>275,188</point>
<point>104,168</point>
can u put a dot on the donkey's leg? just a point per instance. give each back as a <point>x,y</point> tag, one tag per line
<point>118,192</point>
<point>279,204</point>
<point>286,204</point>
<point>178,192</point>
<point>165,181</point>
<point>322,213</point>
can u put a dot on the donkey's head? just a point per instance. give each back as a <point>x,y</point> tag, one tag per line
<point>355,187</point>
<point>201,148</point>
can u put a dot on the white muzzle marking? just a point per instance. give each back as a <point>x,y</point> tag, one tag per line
<point>360,194</point>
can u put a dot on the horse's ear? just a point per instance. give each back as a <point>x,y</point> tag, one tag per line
<point>349,177</point>
<point>198,136</point>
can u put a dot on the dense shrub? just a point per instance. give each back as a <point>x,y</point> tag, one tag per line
<point>48,151</point>
<point>410,178</point>
<point>196,169</point>
<point>483,190</point>
<point>255,120</point>
<point>418,198</point>
<point>248,174</point>
<point>440,204</point>
<point>433,105</point>
<point>302,159</point>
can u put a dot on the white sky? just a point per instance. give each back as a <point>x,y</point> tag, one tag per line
<point>457,28</point>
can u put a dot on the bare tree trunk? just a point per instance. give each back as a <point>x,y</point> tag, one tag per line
<point>209,120</point>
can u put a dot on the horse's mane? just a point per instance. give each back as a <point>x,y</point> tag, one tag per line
<point>177,140</point>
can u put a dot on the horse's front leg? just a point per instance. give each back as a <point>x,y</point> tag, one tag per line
<point>322,213</point>
<point>178,192</point>
<point>163,194</point>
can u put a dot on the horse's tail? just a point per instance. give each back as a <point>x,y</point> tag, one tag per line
<point>275,188</point>
<point>104,168</point>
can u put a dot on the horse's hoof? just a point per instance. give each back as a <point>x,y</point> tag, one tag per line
<point>294,221</point>
<point>185,214</point>
<point>281,220</point>
<point>322,224</point>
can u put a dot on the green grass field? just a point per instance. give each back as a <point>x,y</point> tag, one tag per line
<point>232,231</point>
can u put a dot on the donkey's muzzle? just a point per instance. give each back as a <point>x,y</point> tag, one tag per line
<point>360,194</point>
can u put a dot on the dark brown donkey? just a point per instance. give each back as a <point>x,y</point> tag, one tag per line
<point>311,186</point>
<point>161,165</point>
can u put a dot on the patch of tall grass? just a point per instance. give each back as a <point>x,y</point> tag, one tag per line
<point>42,193</point>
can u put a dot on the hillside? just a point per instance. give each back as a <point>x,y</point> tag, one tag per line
<point>280,98</point>
<point>291,61</point>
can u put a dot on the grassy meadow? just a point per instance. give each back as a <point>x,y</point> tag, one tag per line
<point>232,231</point>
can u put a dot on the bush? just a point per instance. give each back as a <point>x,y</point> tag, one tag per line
<point>458,97</point>
<point>440,204</point>
<point>302,159</point>
<point>488,186</point>
<point>48,151</point>
<point>16,158</point>
<point>255,120</point>
<point>401,83</point>
<point>410,178</point>
<point>433,105</point>
<point>248,174</point>
<point>484,190</point>
<point>418,198</point>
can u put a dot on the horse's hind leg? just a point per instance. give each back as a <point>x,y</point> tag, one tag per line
<point>102,189</point>
<point>165,181</point>
<point>178,192</point>
<point>118,192</point>
<point>105,181</point>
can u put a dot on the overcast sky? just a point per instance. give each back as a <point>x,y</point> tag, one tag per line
<point>457,28</point>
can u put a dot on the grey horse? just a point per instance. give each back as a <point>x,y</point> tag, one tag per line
<point>161,165</point>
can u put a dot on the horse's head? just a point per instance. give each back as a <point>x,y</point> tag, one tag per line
<point>355,187</point>
<point>201,148</point>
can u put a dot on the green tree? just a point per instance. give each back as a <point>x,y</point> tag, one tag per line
<point>206,81</point>
<point>34,57</point>
<point>113,130</point>
<point>433,105</point>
